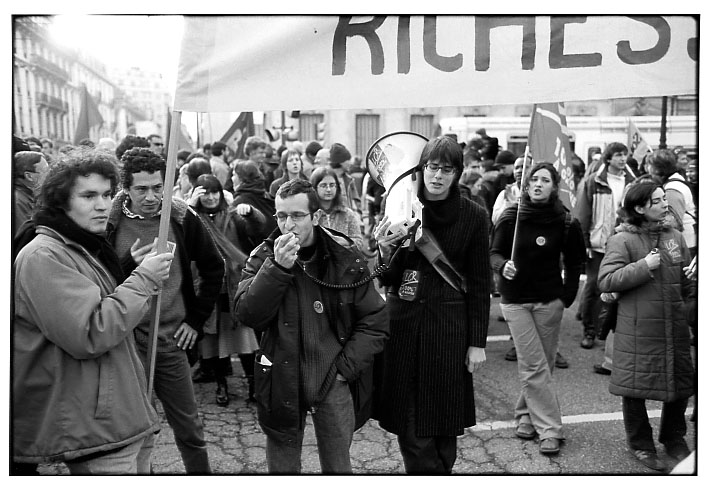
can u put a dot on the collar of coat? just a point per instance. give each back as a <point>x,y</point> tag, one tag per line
<point>601,176</point>
<point>179,208</point>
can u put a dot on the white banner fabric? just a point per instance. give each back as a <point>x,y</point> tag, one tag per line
<point>253,63</point>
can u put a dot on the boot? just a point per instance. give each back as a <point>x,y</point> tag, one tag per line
<point>222,393</point>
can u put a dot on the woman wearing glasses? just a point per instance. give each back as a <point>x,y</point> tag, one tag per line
<point>438,330</point>
<point>233,230</point>
<point>528,243</point>
<point>645,263</point>
<point>333,214</point>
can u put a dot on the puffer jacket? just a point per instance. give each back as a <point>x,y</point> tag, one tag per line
<point>277,301</point>
<point>78,385</point>
<point>595,210</point>
<point>651,356</point>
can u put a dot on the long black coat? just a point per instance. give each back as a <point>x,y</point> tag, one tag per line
<point>431,335</point>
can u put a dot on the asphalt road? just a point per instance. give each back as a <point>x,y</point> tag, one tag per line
<point>593,426</point>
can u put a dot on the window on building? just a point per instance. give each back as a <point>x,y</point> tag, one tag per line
<point>366,133</point>
<point>422,124</point>
<point>308,126</point>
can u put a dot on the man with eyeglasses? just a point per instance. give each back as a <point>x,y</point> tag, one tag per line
<point>156,143</point>
<point>133,228</point>
<point>318,342</point>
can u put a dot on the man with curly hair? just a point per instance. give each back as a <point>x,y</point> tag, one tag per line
<point>133,228</point>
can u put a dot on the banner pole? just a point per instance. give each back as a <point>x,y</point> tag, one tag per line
<point>519,203</point>
<point>162,241</point>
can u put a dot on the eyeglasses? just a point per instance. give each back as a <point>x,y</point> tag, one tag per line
<point>327,186</point>
<point>158,144</point>
<point>432,167</point>
<point>296,216</point>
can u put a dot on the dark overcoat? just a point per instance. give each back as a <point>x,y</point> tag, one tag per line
<point>430,336</point>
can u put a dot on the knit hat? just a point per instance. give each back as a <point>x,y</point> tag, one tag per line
<point>338,155</point>
<point>504,158</point>
<point>312,149</point>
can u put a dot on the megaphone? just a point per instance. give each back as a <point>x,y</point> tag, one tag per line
<point>391,161</point>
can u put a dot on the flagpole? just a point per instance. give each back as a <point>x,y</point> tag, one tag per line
<point>519,203</point>
<point>162,242</point>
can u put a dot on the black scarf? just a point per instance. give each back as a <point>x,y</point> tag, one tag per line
<point>57,220</point>
<point>541,213</point>
<point>441,213</point>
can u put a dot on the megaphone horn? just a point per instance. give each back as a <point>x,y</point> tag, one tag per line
<point>388,161</point>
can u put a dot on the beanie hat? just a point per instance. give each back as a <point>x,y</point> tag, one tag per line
<point>312,149</point>
<point>504,158</point>
<point>338,155</point>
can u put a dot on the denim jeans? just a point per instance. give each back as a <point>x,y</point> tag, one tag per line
<point>590,297</point>
<point>334,422</point>
<point>535,331</point>
<point>130,460</point>
<point>425,454</point>
<point>673,426</point>
<point>173,386</point>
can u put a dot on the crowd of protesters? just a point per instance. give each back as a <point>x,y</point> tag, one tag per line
<point>268,261</point>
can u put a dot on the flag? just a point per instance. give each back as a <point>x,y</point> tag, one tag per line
<point>183,142</point>
<point>549,142</point>
<point>637,147</point>
<point>240,130</point>
<point>89,116</point>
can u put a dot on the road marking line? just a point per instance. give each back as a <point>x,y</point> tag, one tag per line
<point>579,418</point>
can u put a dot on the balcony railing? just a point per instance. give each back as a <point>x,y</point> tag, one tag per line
<point>49,67</point>
<point>51,102</point>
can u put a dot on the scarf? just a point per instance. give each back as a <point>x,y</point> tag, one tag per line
<point>57,220</point>
<point>541,213</point>
<point>441,213</point>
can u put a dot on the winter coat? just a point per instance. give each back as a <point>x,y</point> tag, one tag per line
<point>344,220</point>
<point>196,245</point>
<point>595,209</point>
<point>277,301</point>
<point>430,335</point>
<point>23,206</point>
<point>651,351</point>
<point>78,385</point>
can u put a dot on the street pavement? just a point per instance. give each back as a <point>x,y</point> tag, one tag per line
<point>593,425</point>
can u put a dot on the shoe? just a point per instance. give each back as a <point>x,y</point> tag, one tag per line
<point>560,362</point>
<point>549,446</point>
<point>600,369</point>
<point>511,355</point>
<point>587,342</point>
<point>649,459</point>
<point>525,431</point>
<point>678,450</point>
<point>222,395</point>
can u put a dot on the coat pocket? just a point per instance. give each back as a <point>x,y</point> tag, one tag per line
<point>105,389</point>
<point>263,379</point>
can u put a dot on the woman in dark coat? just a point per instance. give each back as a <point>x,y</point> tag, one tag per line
<point>438,332</point>
<point>526,251</point>
<point>233,229</point>
<point>250,188</point>
<point>644,263</point>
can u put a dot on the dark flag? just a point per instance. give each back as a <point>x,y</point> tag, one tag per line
<point>240,130</point>
<point>89,116</point>
<point>549,142</point>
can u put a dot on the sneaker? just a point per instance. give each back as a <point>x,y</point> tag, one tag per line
<point>560,362</point>
<point>511,355</point>
<point>600,369</point>
<point>587,342</point>
<point>649,459</point>
<point>549,446</point>
<point>525,431</point>
<point>678,450</point>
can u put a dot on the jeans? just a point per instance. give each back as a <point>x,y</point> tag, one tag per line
<point>590,297</point>
<point>425,454</point>
<point>173,386</point>
<point>334,424</point>
<point>673,426</point>
<point>535,331</point>
<point>130,460</point>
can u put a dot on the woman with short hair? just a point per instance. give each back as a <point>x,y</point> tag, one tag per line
<point>333,213</point>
